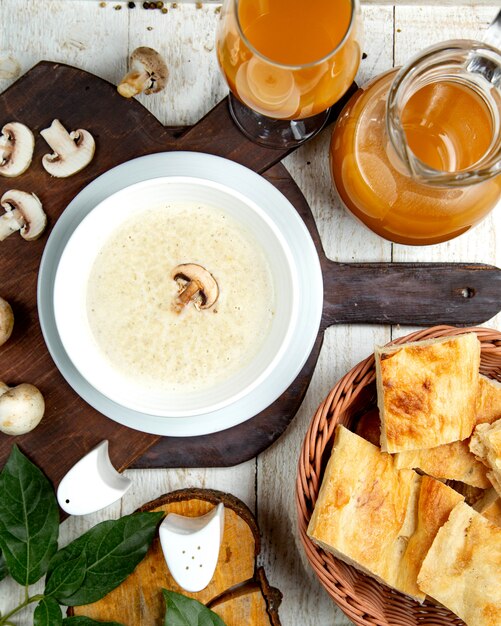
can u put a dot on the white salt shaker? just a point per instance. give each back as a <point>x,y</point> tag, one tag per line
<point>191,547</point>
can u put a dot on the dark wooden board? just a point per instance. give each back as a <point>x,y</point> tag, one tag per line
<point>376,293</point>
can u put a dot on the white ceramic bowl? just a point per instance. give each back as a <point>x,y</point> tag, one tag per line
<point>77,259</point>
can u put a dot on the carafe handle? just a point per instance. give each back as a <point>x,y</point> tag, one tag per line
<point>480,63</point>
<point>492,35</point>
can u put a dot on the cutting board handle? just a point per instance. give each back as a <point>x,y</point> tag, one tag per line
<point>417,294</point>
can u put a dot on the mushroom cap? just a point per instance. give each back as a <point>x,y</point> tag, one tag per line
<point>27,210</point>
<point>207,285</point>
<point>6,321</point>
<point>71,151</point>
<point>144,59</point>
<point>21,409</point>
<point>16,149</point>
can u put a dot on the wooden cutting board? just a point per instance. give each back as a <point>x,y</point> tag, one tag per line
<point>386,293</point>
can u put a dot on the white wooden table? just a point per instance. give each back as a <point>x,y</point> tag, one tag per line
<point>99,39</point>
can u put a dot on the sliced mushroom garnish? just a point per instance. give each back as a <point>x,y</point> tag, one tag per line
<point>147,73</point>
<point>16,149</point>
<point>71,151</point>
<point>24,213</point>
<point>196,285</point>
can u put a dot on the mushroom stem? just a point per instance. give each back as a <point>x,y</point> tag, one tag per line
<point>134,83</point>
<point>16,149</point>
<point>5,152</point>
<point>188,292</point>
<point>147,73</point>
<point>58,138</point>
<point>71,152</point>
<point>23,212</point>
<point>195,279</point>
<point>10,222</point>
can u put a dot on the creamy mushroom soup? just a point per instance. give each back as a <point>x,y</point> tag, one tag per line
<point>133,305</point>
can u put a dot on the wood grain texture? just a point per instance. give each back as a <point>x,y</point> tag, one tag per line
<point>71,427</point>
<point>256,603</point>
<point>345,239</point>
<point>123,130</point>
<point>236,589</point>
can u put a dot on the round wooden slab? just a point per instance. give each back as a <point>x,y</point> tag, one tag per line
<point>238,592</point>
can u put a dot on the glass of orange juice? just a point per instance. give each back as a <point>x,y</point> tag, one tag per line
<point>286,63</point>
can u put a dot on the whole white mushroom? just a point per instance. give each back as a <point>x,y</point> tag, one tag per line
<point>6,321</point>
<point>21,408</point>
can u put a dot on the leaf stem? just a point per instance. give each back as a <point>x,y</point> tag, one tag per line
<point>4,620</point>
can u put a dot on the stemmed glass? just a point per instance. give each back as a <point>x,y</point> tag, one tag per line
<point>286,63</point>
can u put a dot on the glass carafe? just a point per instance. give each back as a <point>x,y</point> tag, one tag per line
<point>416,153</point>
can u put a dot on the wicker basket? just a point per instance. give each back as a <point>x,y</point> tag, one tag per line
<point>363,599</point>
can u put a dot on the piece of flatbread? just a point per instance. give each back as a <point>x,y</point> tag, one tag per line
<point>462,569</point>
<point>488,400</point>
<point>427,392</point>
<point>375,517</point>
<point>452,461</point>
<point>490,506</point>
<point>435,503</point>
<point>485,444</point>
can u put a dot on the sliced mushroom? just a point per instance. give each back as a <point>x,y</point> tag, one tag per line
<point>196,284</point>
<point>16,149</point>
<point>23,212</point>
<point>71,151</point>
<point>6,321</point>
<point>21,408</point>
<point>147,73</point>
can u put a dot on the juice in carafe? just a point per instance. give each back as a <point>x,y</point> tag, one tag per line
<point>307,55</point>
<point>447,126</point>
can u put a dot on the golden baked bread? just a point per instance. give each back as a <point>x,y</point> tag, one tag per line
<point>435,503</point>
<point>427,392</point>
<point>375,517</point>
<point>451,461</point>
<point>485,444</point>
<point>454,461</point>
<point>462,569</point>
<point>488,400</point>
<point>490,506</point>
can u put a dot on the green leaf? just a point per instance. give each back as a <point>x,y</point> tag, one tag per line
<point>48,613</point>
<point>109,552</point>
<point>29,519</point>
<point>80,620</point>
<point>67,577</point>
<point>3,567</point>
<point>184,611</point>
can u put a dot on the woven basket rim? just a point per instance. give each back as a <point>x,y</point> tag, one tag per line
<point>365,601</point>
